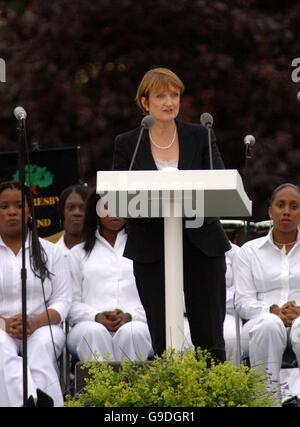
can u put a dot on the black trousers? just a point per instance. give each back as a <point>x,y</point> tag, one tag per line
<point>205,299</point>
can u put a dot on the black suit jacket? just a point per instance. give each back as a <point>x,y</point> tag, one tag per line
<point>145,241</point>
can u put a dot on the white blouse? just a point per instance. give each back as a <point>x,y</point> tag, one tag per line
<point>103,281</point>
<point>229,257</point>
<point>61,244</point>
<point>265,275</point>
<point>58,289</point>
<point>163,164</point>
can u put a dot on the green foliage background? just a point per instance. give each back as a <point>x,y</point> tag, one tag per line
<point>75,65</point>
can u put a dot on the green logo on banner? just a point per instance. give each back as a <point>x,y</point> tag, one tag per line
<point>36,176</point>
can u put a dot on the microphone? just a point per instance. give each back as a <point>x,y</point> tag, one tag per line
<point>146,123</point>
<point>207,120</point>
<point>249,140</point>
<point>20,113</point>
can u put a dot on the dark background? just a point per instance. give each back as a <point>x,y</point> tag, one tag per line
<point>75,66</point>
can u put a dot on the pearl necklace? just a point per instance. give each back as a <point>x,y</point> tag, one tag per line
<point>163,147</point>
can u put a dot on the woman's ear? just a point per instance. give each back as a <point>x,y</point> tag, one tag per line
<point>270,213</point>
<point>144,102</point>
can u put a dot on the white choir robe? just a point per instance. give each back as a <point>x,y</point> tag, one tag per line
<point>104,281</point>
<point>42,364</point>
<point>266,275</point>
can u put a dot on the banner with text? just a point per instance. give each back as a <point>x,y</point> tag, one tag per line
<point>50,171</point>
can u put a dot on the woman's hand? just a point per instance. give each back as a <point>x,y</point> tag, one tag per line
<point>124,317</point>
<point>287,313</point>
<point>291,311</point>
<point>109,320</point>
<point>113,320</point>
<point>14,326</point>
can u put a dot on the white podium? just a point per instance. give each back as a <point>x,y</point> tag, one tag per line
<point>174,194</point>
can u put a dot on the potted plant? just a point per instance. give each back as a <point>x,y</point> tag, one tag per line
<point>174,380</point>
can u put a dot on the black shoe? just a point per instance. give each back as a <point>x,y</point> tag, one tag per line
<point>30,403</point>
<point>292,401</point>
<point>43,399</point>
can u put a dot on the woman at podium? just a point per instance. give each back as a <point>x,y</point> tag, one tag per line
<point>173,143</point>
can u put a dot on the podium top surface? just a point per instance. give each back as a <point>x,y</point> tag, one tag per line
<point>223,190</point>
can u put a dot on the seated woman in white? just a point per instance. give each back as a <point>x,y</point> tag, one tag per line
<point>267,282</point>
<point>229,322</point>
<point>108,317</point>
<point>48,302</point>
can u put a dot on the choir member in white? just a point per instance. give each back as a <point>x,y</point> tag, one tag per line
<point>48,285</point>
<point>108,319</point>
<point>267,282</point>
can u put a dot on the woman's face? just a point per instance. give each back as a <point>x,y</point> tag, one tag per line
<point>10,212</point>
<point>163,104</point>
<point>74,214</point>
<point>285,210</point>
<point>109,223</point>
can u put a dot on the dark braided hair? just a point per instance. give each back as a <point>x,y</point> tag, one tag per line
<point>91,222</point>
<point>37,255</point>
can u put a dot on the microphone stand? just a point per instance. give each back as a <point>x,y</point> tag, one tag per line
<point>209,147</point>
<point>146,123</point>
<point>21,141</point>
<point>136,147</point>
<point>207,120</point>
<point>248,157</point>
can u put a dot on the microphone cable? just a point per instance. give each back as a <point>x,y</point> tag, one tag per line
<point>37,255</point>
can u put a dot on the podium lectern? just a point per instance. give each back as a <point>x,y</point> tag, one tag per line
<point>174,194</point>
